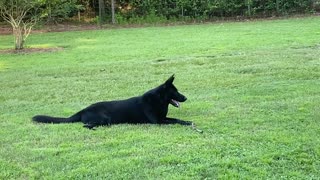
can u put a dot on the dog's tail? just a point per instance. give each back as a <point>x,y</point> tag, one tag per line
<point>56,120</point>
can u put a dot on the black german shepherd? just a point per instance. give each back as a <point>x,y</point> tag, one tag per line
<point>151,107</point>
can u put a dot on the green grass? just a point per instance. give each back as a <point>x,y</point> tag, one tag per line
<point>252,87</point>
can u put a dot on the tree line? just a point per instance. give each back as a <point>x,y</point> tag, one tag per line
<point>212,9</point>
<point>119,11</point>
<point>127,10</point>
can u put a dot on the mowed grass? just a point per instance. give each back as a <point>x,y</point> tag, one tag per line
<point>252,87</point>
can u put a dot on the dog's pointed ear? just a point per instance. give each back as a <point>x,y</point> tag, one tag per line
<point>170,80</point>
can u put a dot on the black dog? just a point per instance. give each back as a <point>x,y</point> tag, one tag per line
<point>151,107</point>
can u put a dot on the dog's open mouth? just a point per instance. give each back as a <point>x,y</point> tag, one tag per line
<point>175,103</point>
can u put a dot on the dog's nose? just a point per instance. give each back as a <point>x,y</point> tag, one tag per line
<point>184,98</point>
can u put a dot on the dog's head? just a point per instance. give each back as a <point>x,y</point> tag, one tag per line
<point>171,94</point>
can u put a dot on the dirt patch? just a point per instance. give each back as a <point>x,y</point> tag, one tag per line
<point>5,29</point>
<point>30,50</point>
<point>69,27</point>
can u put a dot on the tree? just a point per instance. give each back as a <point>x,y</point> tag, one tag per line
<point>21,15</point>
<point>249,3</point>
<point>113,19</point>
<point>102,12</point>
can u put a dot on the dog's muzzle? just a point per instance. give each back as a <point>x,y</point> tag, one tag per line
<point>176,103</point>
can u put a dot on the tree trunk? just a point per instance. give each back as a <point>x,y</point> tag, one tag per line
<point>249,8</point>
<point>102,12</point>
<point>18,38</point>
<point>113,12</point>
<point>49,12</point>
<point>278,7</point>
<point>182,11</point>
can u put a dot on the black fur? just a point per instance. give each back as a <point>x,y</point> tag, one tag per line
<point>151,107</point>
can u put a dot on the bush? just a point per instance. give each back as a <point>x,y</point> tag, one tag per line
<point>135,10</point>
<point>59,10</point>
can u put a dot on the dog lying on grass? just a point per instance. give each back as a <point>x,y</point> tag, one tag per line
<point>151,107</point>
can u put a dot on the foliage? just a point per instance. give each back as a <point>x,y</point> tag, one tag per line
<point>131,11</point>
<point>253,87</point>
<point>208,9</point>
<point>151,18</point>
<point>59,10</point>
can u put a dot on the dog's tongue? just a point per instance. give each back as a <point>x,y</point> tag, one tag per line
<point>175,103</point>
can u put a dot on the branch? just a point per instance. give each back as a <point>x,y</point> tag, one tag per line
<point>7,16</point>
<point>4,13</point>
<point>27,27</point>
<point>15,11</point>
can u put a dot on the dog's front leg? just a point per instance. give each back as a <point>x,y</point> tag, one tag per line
<point>185,123</point>
<point>176,121</point>
<point>152,118</point>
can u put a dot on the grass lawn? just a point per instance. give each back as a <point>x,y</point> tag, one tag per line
<point>252,87</point>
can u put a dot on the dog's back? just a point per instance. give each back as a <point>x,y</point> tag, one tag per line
<point>121,111</point>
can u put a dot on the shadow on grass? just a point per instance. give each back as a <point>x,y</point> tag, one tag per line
<point>30,50</point>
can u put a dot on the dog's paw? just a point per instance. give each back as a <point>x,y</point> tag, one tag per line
<point>188,123</point>
<point>89,126</point>
<point>194,127</point>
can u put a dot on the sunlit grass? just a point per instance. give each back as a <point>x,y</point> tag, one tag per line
<point>2,66</point>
